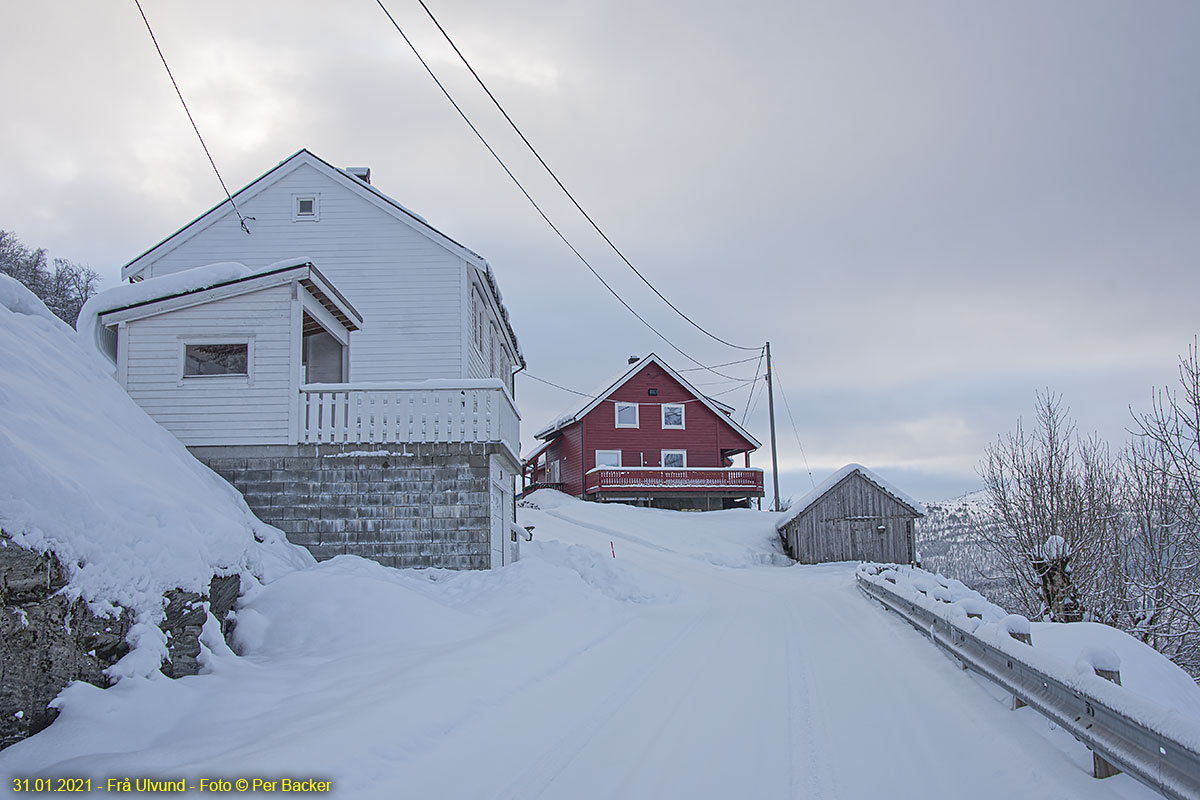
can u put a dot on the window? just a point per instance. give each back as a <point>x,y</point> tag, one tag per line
<point>495,348</point>
<point>479,326</point>
<point>674,459</point>
<point>627,415</point>
<point>672,416</point>
<point>305,208</point>
<point>608,458</point>
<point>202,360</point>
<point>474,317</point>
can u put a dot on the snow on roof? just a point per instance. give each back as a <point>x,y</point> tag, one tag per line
<point>806,502</point>
<point>86,474</point>
<point>537,451</point>
<point>175,284</point>
<point>608,388</point>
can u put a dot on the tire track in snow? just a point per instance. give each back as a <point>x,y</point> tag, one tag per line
<point>801,727</point>
<point>539,774</point>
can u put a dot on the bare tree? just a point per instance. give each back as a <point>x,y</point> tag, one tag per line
<point>1164,506</point>
<point>64,289</point>
<point>1056,515</point>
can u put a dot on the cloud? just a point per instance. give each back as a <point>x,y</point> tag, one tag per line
<point>929,210</point>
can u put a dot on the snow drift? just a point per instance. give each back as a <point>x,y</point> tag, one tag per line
<point>87,475</point>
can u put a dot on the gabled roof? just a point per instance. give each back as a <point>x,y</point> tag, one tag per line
<point>158,295</point>
<point>537,451</point>
<point>810,499</point>
<point>358,186</point>
<point>278,172</point>
<point>717,408</point>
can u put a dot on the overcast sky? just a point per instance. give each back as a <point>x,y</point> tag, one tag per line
<point>931,209</point>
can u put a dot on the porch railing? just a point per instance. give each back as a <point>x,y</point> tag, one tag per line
<point>432,411</point>
<point>661,479</point>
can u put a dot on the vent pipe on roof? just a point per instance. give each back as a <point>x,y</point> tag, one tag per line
<point>634,359</point>
<point>362,173</point>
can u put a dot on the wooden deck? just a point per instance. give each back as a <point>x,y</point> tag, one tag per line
<point>658,479</point>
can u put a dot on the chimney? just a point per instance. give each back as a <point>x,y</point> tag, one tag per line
<point>362,173</point>
<point>634,359</point>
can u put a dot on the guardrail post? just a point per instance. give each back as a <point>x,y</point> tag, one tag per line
<point>1100,766</point>
<point>1027,639</point>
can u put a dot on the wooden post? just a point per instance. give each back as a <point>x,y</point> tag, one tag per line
<point>1100,767</point>
<point>1027,639</point>
<point>771,412</point>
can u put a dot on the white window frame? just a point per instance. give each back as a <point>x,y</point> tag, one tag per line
<point>481,305</point>
<point>637,415</point>
<point>316,201</point>
<point>185,340</point>
<point>609,452</point>
<point>474,317</point>
<point>663,458</point>
<point>495,352</point>
<point>682,417</point>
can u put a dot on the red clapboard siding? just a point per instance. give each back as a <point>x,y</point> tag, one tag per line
<point>704,435</point>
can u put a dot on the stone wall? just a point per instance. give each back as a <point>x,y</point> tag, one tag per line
<point>403,505</point>
<point>46,642</point>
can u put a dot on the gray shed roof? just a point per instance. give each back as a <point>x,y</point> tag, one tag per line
<point>807,502</point>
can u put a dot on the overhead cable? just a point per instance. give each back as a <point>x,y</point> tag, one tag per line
<point>746,410</point>
<point>533,202</point>
<point>241,219</point>
<point>567,192</point>
<point>528,374</point>
<point>726,364</point>
<point>794,429</point>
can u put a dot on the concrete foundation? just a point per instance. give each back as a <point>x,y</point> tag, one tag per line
<point>403,505</point>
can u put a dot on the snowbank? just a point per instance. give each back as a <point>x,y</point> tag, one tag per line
<point>736,538</point>
<point>85,473</point>
<point>1153,690</point>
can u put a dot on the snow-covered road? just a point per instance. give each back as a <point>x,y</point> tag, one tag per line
<point>694,664</point>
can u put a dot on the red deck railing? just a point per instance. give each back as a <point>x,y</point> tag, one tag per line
<point>658,479</point>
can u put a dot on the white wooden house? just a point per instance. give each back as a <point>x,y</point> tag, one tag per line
<point>361,374</point>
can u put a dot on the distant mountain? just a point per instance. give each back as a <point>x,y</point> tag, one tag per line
<point>950,540</point>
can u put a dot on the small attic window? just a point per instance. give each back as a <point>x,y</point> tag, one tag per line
<point>306,207</point>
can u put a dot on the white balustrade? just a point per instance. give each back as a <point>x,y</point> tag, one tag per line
<point>400,416</point>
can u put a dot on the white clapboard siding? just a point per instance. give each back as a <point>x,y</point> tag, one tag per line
<point>216,410</point>
<point>407,287</point>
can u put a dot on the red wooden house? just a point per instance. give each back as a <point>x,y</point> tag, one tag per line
<point>650,438</point>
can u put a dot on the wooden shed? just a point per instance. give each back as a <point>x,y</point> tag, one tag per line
<point>855,515</point>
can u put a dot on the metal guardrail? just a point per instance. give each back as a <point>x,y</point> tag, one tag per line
<point>1149,756</point>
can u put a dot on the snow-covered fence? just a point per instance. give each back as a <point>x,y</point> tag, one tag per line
<point>1127,732</point>
<point>338,414</point>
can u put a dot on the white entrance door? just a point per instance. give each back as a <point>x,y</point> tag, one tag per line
<point>501,507</point>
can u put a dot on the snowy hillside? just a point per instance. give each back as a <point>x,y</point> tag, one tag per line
<point>630,653</point>
<point>950,541</point>
<point>85,474</point>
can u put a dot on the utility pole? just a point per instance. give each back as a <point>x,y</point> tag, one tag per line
<point>771,410</point>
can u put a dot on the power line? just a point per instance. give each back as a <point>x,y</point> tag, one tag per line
<point>528,374</point>
<point>726,364</point>
<point>794,429</point>
<point>746,411</point>
<point>241,219</point>
<point>727,391</point>
<point>756,399</point>
<point>529,197</point>
<point>567,192</point>
<point>742,381</point>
